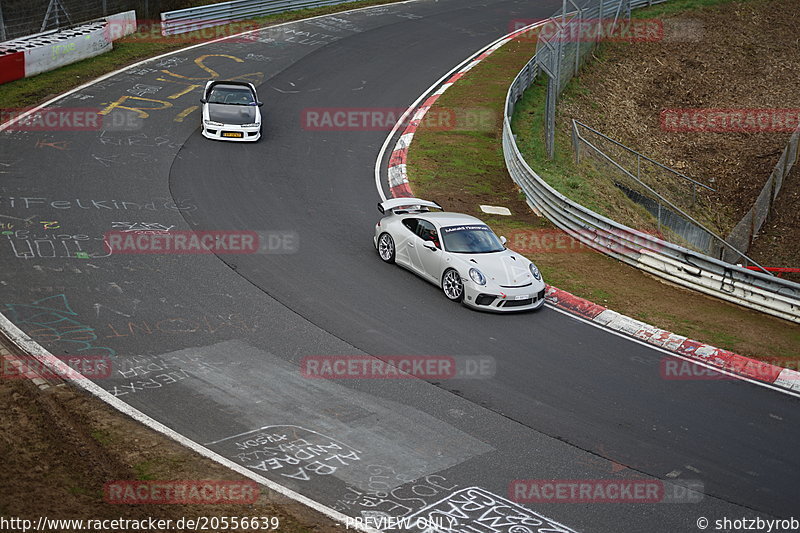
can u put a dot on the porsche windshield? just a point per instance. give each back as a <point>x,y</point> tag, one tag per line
<point>471,239</point>
<point>231,96</point>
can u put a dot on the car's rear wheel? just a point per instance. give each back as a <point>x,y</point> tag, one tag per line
<point>452,285</point>
<point>386,248</point>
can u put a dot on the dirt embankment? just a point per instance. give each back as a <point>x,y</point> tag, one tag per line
<point>59,446</point>
<point>741,55</point>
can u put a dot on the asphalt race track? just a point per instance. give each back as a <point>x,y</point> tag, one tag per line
<point>211,344</point>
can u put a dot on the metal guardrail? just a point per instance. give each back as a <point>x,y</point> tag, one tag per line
<point>756,290</point>
<point>197,18</point>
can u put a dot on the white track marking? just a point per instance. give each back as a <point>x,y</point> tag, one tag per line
<point>31,347</point>
<point>412,108</point>
<point>8,123</point>
<point>674,354</point>
<point>378,184</point>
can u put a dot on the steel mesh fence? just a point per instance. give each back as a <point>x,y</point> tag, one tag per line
<point>20,18</point>
<point>663,192</point>
<point>741,237</point>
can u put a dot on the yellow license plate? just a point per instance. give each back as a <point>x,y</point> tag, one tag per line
<point>236,134</point>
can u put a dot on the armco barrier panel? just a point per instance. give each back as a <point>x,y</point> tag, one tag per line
<point>196,18</point>
<point>756,290</point>
<point>679,265</point>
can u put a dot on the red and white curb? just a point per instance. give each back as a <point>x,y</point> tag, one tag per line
<point>398,177</point>
<point>708,355</point>
<point>704,353</point>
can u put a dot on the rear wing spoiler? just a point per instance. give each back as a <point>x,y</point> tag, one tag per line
<point>407,204</point>
<point>211,83</point>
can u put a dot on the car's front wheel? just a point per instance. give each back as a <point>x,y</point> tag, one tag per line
<point>386,248</point>
<point>452,285</point>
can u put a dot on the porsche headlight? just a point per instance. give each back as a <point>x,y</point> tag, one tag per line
<point>477,276</point>
<point>535,272</point>
<point>212,123</point>
<point>252,125</point>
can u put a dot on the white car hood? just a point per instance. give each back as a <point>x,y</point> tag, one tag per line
<point>506,268</point>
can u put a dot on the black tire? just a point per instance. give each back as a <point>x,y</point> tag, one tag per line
<point>452,286</point>
<point>386,249</point>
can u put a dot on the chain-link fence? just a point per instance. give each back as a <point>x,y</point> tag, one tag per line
<point>742,235</point>
<point>668,195</point>
<point>20,18</point>
<point>570,36</point>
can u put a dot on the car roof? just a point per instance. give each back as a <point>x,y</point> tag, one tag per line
<point>446,218</point>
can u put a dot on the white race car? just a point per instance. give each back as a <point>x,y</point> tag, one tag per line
<point>230,111</point>
<point>458,253</point>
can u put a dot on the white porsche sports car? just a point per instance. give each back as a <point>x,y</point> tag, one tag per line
<point>458,253</point>
<point>230,111</point>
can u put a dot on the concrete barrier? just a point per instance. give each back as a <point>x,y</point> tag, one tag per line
<point>32,55</point>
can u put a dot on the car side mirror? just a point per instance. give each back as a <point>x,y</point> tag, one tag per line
<point>203,101</point>
<point>259,104</point>
<point>430,246</point>
<point>503,240</point>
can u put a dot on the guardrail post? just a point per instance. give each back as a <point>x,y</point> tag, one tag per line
<point>656,255</point>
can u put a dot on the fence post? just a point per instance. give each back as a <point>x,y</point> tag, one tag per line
<point>2,24</point>
<point>47,16</point>
<point>578,43</point>
<point>576,147</point>
<point>659,215</point>
<point>600,24</point>
<point>638,165</point>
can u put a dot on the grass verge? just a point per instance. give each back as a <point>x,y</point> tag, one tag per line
<point>464,168</point>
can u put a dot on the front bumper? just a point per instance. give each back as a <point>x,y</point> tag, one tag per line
<point>504,300</point>
<point>230,132</point>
